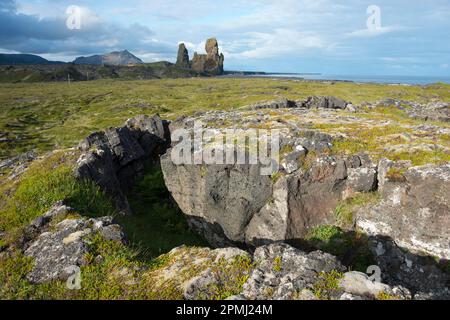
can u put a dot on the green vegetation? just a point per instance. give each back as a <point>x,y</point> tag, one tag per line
<point>232,277</point>
<point>396,174</point>
<point>387,140</point>
<point>47,181</point>
<point>345,210</point>
<point>45,116</point>
<point>386,296</point>
<point>351,248</point>
<point>157,225</point>
<point>155,228</point>
<point>327,285</point>
<point>278,264</point>
<point>118,275</point>
<point>49,116</point>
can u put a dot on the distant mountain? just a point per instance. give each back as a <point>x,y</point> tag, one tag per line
<point>117,58</point>
<point>23,59</point>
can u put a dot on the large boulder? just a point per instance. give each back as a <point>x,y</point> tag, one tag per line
<point>299,202</point>
<point>283,272</point>
<point>218,200</point>
<point>415,208</point>
<point>233,203</point>
<point>60,248</point>
<point>115,158</point>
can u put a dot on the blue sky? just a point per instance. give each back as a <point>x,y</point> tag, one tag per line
<point>326,36</point>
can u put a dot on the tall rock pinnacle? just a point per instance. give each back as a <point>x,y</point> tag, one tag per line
<point>183,56</point>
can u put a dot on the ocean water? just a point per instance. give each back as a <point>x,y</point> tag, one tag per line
<point>420,80</point>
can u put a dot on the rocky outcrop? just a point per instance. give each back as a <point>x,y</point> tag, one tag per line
<point>16,165</point>
<point>415,208</point>
<point>210,63</point>
<point>218,200</point>
<point>285,273</point>
<point>183,57</point>
<point>323,102</point>
<point>115,158</point>
<point>432,111</point>
<point>59,247</point>
<point>232,204</point>
<point>314,102</point>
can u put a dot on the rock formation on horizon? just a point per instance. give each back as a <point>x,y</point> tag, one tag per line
<point>183,57</point>
<point>210,63</point>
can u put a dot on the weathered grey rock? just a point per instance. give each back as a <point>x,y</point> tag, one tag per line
<point>218,200</point>
<point>17,165</point>
<point>55,250</point>
<point>14,161</point>
<point>292,161</point>
<point>283,271</point>
<point>362,179</point>
<point>323,103</point>
<point>213,265</point>
<point>315,140</point>
<point>432,111</point>
<point>299,202</point>
<point>114,159</point>
<point>275,104</point>
<point>183,56</point>
<point>414,212</point>
<point>351,297</point>
<point>235,203</point>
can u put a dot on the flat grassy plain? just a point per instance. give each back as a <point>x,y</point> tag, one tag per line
<point>48,116</point>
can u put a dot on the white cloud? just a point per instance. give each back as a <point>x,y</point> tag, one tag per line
<point>444,66</point>
<point>369,33</point>
<point>272,44</point>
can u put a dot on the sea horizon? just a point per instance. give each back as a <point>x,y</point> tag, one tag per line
<point>385,79</point>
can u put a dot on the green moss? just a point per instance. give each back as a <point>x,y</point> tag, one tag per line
<point>286,150</point>
<point>396,174</point>
<point>277,264</point>
<point>157,224</point>
<point>423,157</point>
<point>327,285</point>
<point>345,210</point>
<point>386,296</point>
<point>231,277</point>
<point>47,181</point>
